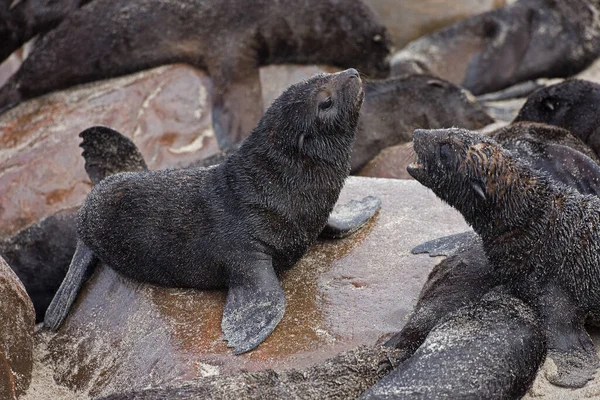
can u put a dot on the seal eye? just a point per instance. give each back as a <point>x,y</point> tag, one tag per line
<point>446,152</point>
<point>326,104</point>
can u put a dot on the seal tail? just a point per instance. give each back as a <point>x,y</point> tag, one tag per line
<point>107,152</point>
<point>81,268</point>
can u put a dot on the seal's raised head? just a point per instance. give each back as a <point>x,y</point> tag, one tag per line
<point>468,170</point>
<point>316,116</point>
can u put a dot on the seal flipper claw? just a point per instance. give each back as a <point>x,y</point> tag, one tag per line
<point>81,268</point>
<point>107,152</point>
<point>348,218</point>
<point>446,245</point>
<point>255,305</point>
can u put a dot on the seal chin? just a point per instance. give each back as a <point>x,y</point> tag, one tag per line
<point>417,171</point>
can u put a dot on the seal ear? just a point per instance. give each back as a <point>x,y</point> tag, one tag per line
<point>479,187</point>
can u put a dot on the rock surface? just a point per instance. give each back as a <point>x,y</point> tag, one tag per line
<point>123,335</point>
<point>16,335</point>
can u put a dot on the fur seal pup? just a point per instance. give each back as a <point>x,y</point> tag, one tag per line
<point>519,42</point>
<point>230,39</point>
<point>466,275</point>
<point>233,225</point>
<point>490,350</point>
<point>572,105</point>
<point>542,238</point>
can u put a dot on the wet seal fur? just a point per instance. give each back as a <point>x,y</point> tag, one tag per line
<point>542,238</point>
<point>233,225</point>
<point>230,39</point>
<point>572,105</point>
<point>522,41</point>
<point>489,350</point>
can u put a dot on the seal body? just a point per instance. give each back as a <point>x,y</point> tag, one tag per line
<point>540,236</point>
<point>230,39</point>
<point>234,224</point>
<point>522,41</point>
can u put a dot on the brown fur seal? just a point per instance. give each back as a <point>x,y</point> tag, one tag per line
<point>572,105</point>
<point>519,42</point>
<point>230,39</point>
<point>232,225</point>
<point>489,350</point>
<point>541,238</point>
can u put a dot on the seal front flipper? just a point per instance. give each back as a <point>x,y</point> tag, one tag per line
<point>80,270</point>
<point>107,152</point>
<point>348,218</point>
<point>569,345</point>
<point>446,245</point>
<point>255,305</point>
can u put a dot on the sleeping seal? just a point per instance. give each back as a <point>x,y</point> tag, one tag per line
<point>233,225</point>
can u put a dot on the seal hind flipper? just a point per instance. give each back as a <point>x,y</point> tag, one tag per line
<point>255,305</point>
<point>348,218</point>
<point>107,152</point>
<point>569,345</point>
<point>446,245</point>
<point>81,268</point>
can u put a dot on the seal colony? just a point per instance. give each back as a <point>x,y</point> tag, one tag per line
<point>541,237</point>
<point>233,225</point>
<point>107,38</point>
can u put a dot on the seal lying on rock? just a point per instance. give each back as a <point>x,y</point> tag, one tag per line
<point>522,41</point>
<point>490,350</point>
<point>572,105</point>
<point>234,224</point>
<point>541,237</point>
<point>230,39</point>
<point>394,108</point>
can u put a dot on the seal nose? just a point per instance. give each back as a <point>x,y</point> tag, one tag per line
<point>352,71</point>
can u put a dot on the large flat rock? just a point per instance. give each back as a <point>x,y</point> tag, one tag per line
<point>124,335</point>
